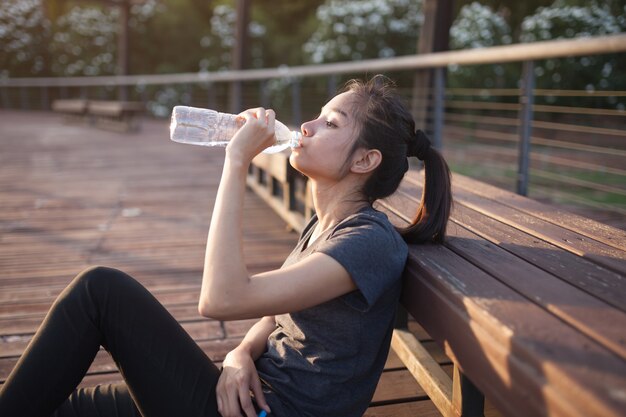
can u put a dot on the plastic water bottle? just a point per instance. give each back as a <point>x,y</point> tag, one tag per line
<point>211,128</point>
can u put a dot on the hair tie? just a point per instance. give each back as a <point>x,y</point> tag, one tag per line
<point>418,145</point>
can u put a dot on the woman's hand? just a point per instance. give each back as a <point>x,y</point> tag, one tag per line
<point>238,378</point>
<point>254,136</point>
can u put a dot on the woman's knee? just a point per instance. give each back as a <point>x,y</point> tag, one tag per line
<point>99,280</point>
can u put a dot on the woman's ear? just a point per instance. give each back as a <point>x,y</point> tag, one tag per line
<point>366,160</point>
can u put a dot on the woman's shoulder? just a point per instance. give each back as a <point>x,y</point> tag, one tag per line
<point>371,225</point>
<point>368,216</point>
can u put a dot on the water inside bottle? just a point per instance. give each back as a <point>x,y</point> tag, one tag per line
<point>206,127</point>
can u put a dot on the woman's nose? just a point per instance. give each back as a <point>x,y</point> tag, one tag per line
<point>306,129</point>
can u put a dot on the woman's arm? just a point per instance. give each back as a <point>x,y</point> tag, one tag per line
<point>228,291</point>
<point>255,341</point>
<point>225,272</point>
<point>239,375</point>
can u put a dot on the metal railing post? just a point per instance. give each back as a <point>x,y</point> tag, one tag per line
<point>438,103</point>
<point>211,99</point>
<point>6,103</point>
<point>332,86</point>
<point>122,93</point>
<point>235,97</point>
<point>296,106</point>
<point>526,115</point>
<point>45,101</point>
<point>188,94</point>
<point>265,94</point>
<point>24,98</point>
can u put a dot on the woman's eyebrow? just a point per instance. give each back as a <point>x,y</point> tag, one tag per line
<point>337,110</point>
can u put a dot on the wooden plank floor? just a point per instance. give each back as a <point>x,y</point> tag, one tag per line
<point>72,196</point>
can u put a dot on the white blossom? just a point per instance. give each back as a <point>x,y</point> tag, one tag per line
<point>374,28</point>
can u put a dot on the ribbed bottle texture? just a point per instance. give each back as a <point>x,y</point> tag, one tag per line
<point>207,127</point>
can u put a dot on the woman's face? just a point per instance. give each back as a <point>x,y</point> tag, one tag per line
<point>327,140</point>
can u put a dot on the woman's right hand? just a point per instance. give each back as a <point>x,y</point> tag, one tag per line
<point>256,134</point>
<point>239,377</point>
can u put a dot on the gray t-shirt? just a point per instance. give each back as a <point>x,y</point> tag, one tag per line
<point>326,360</point>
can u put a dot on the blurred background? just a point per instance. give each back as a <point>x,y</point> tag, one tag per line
<point>578,153</point>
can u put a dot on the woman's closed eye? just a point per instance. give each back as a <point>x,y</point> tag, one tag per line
<point>328,123</point>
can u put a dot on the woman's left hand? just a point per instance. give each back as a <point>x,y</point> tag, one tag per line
<point>254,136</point>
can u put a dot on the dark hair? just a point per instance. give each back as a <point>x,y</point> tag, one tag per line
<point>385,123</point>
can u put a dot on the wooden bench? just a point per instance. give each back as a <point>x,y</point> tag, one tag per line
<point>116,115</point>
<point>73,109</point>
<point>527,301</point>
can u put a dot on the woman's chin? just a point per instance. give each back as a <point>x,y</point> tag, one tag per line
<point>296,163</point>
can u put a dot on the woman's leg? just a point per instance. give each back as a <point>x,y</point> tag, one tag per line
<point>166,373</point>
<point>99,401</point>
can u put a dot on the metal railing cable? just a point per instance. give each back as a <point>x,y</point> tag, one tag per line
<point>577,147</point>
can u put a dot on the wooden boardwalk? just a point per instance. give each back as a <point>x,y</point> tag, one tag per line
<point>72,196</point>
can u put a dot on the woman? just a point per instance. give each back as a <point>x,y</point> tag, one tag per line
<point>327,312</point>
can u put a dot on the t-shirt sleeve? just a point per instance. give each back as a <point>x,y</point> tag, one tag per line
<point>372,252</point>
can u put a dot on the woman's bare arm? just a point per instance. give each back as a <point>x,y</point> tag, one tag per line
<point>228,291</point>
<point>239,375</point>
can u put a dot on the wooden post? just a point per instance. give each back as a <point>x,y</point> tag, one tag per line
<point>240,52</point>
<point>421,81</point>
<point>434,37</point>
<point>122,47</point>
<point>467,400</point>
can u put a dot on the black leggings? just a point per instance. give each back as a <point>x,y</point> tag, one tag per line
<point>165,372</point>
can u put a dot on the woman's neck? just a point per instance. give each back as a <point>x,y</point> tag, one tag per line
<point>335,202</point>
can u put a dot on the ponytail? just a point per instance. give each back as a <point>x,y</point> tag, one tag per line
<point>429,225</point>
<point>386,124</point>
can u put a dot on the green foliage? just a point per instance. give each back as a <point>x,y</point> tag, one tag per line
<point>478,26</point>
<point>561,20</point>
<point>72,38</point>
<point>169,40</point>
<point>353,30</point>
<point>84,42</point>
<point>24,34</point>
<point>288,23</point>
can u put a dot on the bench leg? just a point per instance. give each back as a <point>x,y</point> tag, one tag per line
<point>467,400</point>
<point>402,318</point>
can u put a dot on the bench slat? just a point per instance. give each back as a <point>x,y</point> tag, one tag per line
<point>580,309</point>
<point>515,345</point>
<point>596,252</point>
<point>72,106</point>
<point>604,284</point>
<point>591,316</point>
<point>590,228</point>
<point>574,242</point>
<point>113,108</point>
